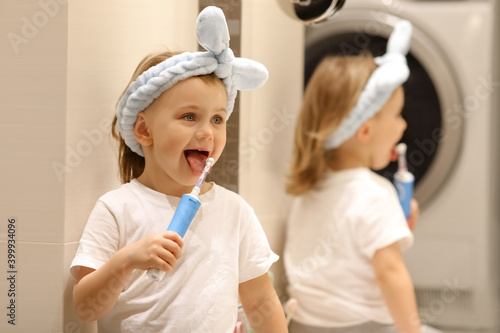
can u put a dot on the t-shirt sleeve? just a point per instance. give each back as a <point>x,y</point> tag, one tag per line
<point>256,256</point>
<point>99,241</point>
<point>380,224</point>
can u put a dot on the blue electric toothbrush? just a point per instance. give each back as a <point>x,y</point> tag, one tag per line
<point>188,206</point>
<point>403,180</point>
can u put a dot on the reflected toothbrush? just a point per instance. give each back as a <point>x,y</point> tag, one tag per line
<point>188,206</point>
<point>403,180</point>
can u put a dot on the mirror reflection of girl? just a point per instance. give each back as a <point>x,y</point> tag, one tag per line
<point>171,118</point>
<point>346,228</point>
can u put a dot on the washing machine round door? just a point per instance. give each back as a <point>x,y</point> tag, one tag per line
<point>430,92</point>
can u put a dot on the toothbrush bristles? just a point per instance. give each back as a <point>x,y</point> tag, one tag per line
<point>401,148</point>
<point>209,162</point>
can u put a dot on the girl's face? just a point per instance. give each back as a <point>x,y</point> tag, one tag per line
<point>388,127</point>
<point>185,125</point>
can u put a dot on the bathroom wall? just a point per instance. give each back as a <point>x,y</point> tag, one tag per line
<point>63,67</point>
<point>268,117</point>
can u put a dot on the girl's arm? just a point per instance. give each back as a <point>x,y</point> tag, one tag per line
<point>96,291</point>
<point>397,288</point>
<point>262,306</point>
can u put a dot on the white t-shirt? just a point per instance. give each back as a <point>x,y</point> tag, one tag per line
<point>332,233</point>
<point>225,245</point>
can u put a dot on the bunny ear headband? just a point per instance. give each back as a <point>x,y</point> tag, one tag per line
<point>213,35</point>
<point>392,72</point>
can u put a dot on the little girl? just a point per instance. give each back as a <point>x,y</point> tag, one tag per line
<point>171,118</point>
<point>346,228</point>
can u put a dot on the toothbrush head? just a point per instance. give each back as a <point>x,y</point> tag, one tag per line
<point>209,162</point>
<point>401,148</point>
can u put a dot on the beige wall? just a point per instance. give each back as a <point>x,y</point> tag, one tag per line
<point>268,117</point>
<point>63,68</point>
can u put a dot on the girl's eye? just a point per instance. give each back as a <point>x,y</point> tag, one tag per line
<point>218,120</point>
<point>189,117</point>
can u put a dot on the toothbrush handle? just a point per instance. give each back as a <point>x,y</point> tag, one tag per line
<point>184,214</point>
<point>403,181</point>
<point>188,206</point>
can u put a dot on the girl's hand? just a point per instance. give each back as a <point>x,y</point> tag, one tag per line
<point>414,213</point>
<point>160,250</point>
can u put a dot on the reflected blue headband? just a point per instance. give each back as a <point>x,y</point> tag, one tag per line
<point>392,71</point>
<point>213,34</point>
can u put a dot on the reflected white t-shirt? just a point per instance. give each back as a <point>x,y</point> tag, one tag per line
<point>225,245</point>
<point>332,233</point>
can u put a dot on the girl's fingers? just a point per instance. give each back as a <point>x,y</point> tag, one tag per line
<point>175,237</point>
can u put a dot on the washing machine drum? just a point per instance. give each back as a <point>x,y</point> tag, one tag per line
<point>422,110</point>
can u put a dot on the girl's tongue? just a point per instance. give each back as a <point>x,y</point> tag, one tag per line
<point>394,154</point>
<point>196,160</point>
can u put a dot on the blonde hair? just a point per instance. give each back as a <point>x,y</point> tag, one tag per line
<point>130,164</point>
<point>331,93</point>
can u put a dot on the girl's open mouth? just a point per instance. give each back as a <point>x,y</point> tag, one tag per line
<point>196,159</point>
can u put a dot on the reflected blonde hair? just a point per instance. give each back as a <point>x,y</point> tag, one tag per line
<point>331,93</point>
<point>130,164</point>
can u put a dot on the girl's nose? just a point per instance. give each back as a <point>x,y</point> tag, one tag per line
<point>204,132</point>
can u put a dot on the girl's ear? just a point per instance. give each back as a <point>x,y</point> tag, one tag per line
<point>141,131</point>
<point>364,132</point>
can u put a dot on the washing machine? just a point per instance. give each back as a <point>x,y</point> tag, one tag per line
<point>450,108</point>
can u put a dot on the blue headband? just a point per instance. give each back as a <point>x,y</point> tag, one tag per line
<point>392,71</point>
<point>213,34</point>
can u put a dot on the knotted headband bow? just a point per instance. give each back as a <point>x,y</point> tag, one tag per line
<point>212,33</point>
<point>392,71</point>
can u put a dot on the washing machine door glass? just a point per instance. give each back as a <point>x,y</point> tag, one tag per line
<point>432,144</point>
